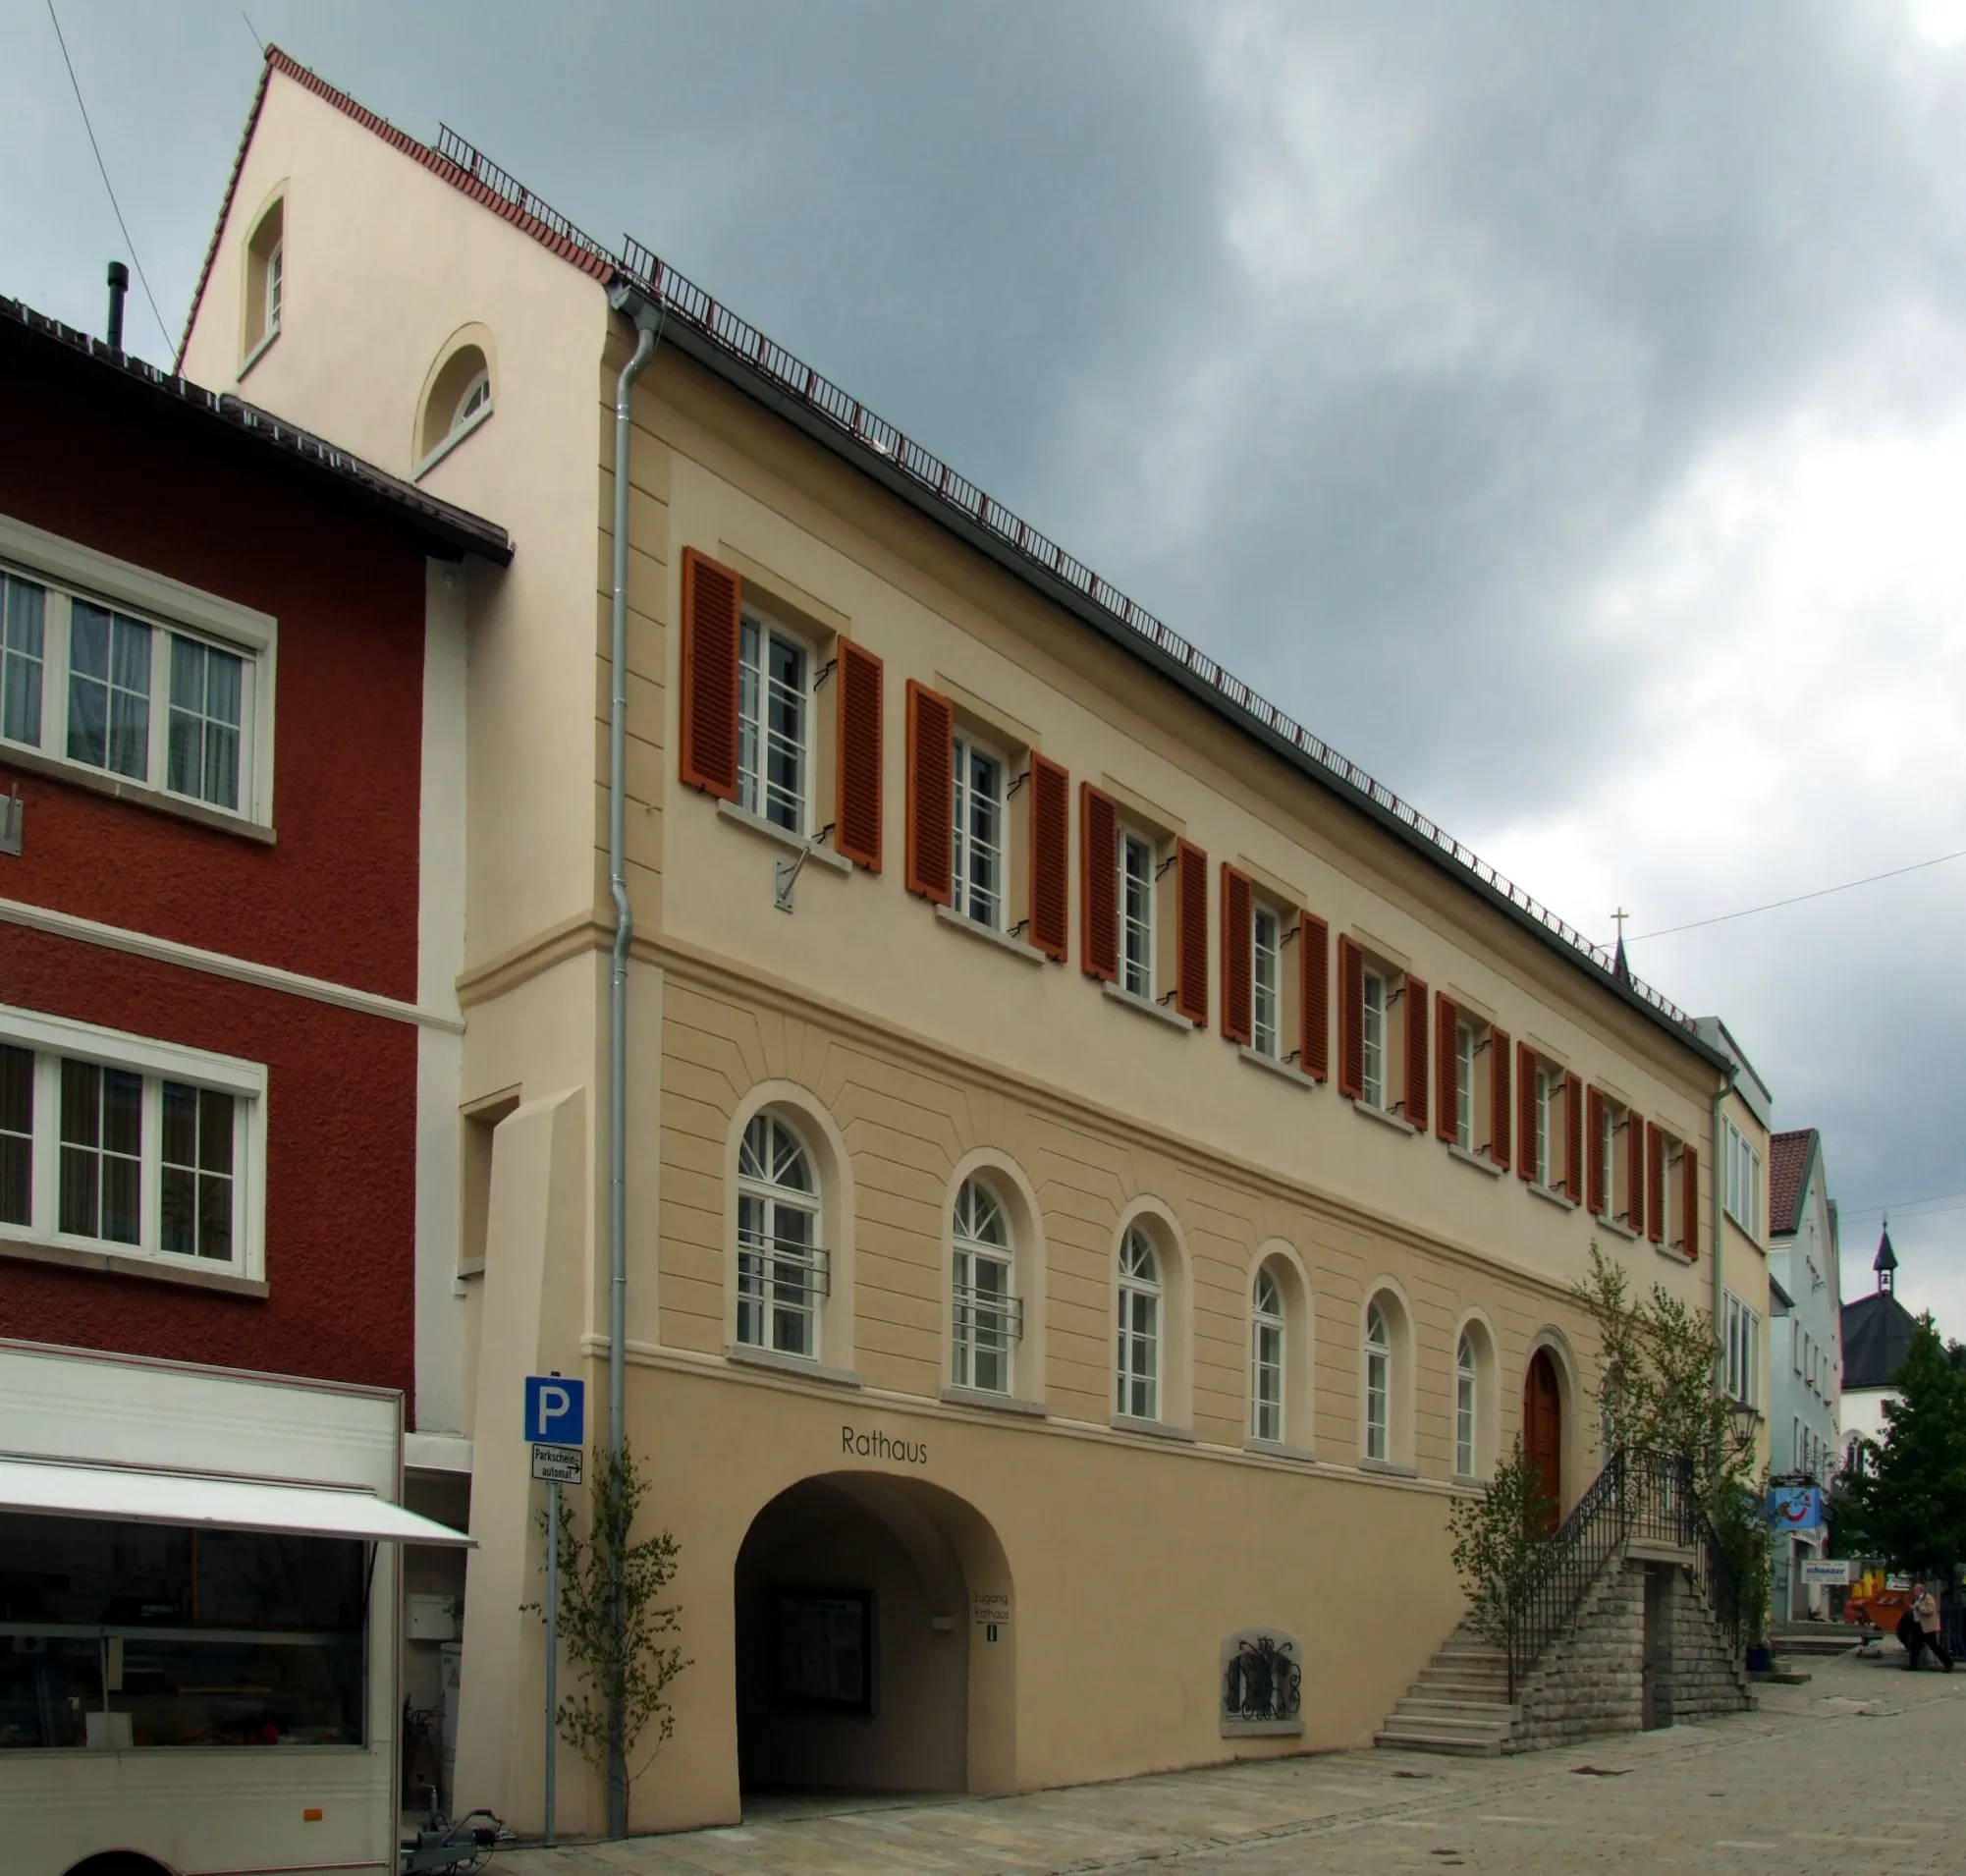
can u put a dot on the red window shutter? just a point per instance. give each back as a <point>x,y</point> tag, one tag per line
<point>1416,1052</point>
<point>1448,1076</point>
<point>858,813</point>
<point>1501,1107</point>
<point>1350,1019</point>
<point>931,830</point>
<point>1051,856</point>
<point>1654,1184</point>
<point>1238,963</point>
<point>1573,1137</point>
<point>1525,1114</point>
<point>1099,882</point>
<point>1594,1127</point>
<point>1191,933</point>
<point>712,611</point>
<point>1689,1172</point>
<point>1634,1172</point>
<point>1314,995</point>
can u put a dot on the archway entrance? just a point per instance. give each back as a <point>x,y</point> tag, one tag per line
<point>860,1662</point>
<point>1543,1434</point>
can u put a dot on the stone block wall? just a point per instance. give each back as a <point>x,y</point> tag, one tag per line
<point>1590,1682</point>
<point>1705,1678</point>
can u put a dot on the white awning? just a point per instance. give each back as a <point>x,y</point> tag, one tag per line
<point>65,1489</point>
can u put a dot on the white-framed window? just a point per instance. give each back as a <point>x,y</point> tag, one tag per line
<point>123,1144</point>
<point>781,1267</point>
<point>774,723</point>
<point>977,864</point>
<point>476,397</point>
<point>1378,1385</point>
<point>1464,1086</point>
<point>1743,1181</point>
<point>1742,1345</point>
<point>1464,1408</point>
<point>1548,1084</point>
<point>1373,1081</point>
<point>276,276</point>
<point>1137,913</point>
<point>1266,979</point>
<point>1137,1370</point>
<point>108,668</point>
<point>988,1317</point>
<point>1266,1358</point>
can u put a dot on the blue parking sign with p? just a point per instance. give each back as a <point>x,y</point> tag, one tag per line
<point>555,1410</point>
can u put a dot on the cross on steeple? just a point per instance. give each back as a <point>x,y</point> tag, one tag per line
<point>1619,969</point>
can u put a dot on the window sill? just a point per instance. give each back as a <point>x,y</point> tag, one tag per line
<point>1617,1230</point>
<point>972,928</point>
<point>1369,1112</point>
<point>995,1403</point>
<point>1154,1429</point>
<point>1295,1076</point>
<point>772,831</point>
<point>257,353</point>
<point>798,1364</point>
<point>1263,1730</point>
<point>1550,1196</point>
<point>1479,1161</point>
<point>477,421</point>
<point>58,768</point>
<point>1144,1007</point>
<point>470,1267</point>
<point>130,1264</point>
<point>1276,1450</point>
<point>1674,1254</point>
<point>1389,1468</point>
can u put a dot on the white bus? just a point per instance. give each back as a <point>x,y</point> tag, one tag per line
<point>199,1596</point>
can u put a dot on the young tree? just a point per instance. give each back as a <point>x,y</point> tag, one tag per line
<point>1657,1391</point>
<point>591,1563</point>
<point>1909,1504</point>
<point>1495,1544</point>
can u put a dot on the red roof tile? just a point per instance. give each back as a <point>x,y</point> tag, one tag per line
<point>1788,1157</point>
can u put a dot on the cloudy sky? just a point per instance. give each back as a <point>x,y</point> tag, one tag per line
<point>1562,410</point>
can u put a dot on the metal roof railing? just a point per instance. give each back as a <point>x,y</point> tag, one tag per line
<point>744,342</point>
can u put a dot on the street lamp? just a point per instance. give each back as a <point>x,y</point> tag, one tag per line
<point>1745,1420</point>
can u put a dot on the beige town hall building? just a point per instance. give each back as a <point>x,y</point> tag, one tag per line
<point>1102,1175</point>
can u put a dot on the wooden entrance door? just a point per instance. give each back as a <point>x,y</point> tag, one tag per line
<point>1543,1433</point>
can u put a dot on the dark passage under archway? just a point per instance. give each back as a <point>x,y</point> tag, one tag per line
<point>1542,1435</point>
<point>856,1639</point>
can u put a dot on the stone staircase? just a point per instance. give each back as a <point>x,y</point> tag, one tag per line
<point>1635,1542</point>
<point>1459,1704</point>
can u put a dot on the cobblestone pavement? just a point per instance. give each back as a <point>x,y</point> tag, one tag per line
<point>1857,1771</point>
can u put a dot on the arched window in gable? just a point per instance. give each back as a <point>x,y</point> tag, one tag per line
<point>1138,1368</point>
<point>988,1315</point>
<point>781,1264</point>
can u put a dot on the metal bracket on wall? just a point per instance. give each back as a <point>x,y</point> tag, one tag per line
<point>12,820</point>
<point>786,873</point>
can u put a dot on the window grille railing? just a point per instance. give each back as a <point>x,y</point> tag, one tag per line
<point>681,298</point>
<point>787,1266</point>
<point>982,1313</point>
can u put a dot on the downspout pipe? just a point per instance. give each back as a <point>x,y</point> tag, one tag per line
<point>648,324</point>
<point>1716,1209</point>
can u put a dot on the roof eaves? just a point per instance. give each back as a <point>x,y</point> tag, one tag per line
<point>451,531</point>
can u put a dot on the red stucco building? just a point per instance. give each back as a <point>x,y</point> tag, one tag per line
<point>232,667</point>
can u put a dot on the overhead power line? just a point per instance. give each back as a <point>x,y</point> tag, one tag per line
<point>1899,1206</point>
<point>107,184</point>
<point>1822,892</point>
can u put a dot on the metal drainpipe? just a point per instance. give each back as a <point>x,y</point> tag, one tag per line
<point>647,323</point>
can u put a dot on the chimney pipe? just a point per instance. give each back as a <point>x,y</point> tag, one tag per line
<point>119,285</point>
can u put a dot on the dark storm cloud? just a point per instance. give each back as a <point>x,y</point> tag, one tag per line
<point>1363,344</point>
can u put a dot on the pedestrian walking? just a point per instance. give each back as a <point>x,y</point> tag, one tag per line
<point>1925,1632</point>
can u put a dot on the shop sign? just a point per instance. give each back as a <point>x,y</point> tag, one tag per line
<point>1824,1573</point>
<point>1795,1507</point>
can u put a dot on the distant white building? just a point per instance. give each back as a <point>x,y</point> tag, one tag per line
<point>1806,1351</point>
<point>1877,1334</point>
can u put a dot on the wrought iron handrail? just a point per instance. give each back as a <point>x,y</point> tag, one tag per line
<point>744,342</point>
<point>1722,1585</point>
<point>1648,1496</point>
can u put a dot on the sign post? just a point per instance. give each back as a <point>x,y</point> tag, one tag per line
<point>556,1429</point>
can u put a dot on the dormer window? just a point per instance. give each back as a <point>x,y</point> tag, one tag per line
<point>263,288</point>
<point>457,400</point>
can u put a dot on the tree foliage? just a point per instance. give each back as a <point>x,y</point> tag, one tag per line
<point>1908,1505</point>
<point>1657,1391</point>
<point>1494,1544</point>
<point>592,1562</point>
